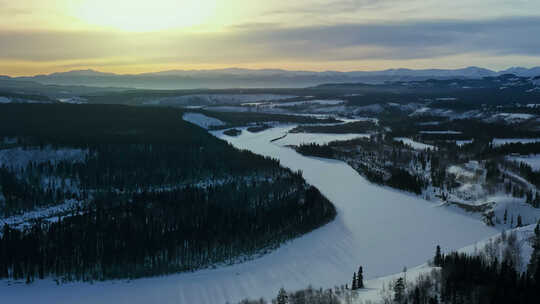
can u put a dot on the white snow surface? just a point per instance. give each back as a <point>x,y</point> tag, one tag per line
<point>19,157</point>
<point>373,289</point>
<point>463,142</point>
<point>318,138</point>
<point>310,102</point>
<point>377,227</point>
<point>202,120</point>
<point>209,99</point>
<point>440,132</point>
<point>414,144</point>
<point>531,160</point>
<point>4,99</point>
<point>502,141</point>
<point>45,213</point>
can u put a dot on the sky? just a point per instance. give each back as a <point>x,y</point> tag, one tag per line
<point>136,36</point>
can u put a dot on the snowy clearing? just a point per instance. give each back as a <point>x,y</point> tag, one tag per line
<point>440,132</point>
<point>414,144</point>
<point>202,120</point>
<point>531,160</point>
<point>212,99</point>
<point>464,142</point>
<point>19,157</point>
<point>309,102</point>
<point>503,141</point>
<point>48,213</point>
<point>377,227</point>
<point>317,138</point>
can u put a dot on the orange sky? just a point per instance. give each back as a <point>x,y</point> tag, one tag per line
<point>136,36</point>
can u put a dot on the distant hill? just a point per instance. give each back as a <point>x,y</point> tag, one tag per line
<point>265,78</point>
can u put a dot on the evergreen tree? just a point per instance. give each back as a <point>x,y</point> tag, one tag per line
<point>354,282</point>
<point>535,256</point>
<point>282,297</point>
<point>399,290</point>
<point>505,217</point>
<point>519,221</point>
<point>437,261</point>
<point>360,278</point>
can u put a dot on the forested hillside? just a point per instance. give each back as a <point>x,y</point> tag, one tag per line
<point>154,194</point>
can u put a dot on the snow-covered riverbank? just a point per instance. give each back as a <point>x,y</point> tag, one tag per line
<point>379,228</point>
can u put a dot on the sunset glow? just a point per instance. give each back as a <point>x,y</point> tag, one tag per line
<point>44,36</point>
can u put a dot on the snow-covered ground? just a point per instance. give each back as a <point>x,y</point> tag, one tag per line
<point>463,142</point>
<point>202,120</point>
<point>19,157</point>
<point>440,132</point>
<point>502,141</point>
<point>73,100</point>
<point>48,213</point>
<point>318,138</point>
<point>374,287</point>
<point>414,144</point>
<point>377,227</point>
<point>510,118</point>
<point>310,102</point>
<point>4,99</point>
<point>531,160</point>
<point>209,99</point>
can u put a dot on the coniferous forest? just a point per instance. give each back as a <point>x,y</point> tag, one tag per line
<point>156,195</point>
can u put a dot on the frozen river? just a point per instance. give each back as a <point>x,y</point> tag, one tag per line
<point>377,227</point>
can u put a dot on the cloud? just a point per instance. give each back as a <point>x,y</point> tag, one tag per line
<point>332,7</point>
<point>274,42</point>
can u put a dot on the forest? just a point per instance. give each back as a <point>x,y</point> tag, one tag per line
<point>156,195</point>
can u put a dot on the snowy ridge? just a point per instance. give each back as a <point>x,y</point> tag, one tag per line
<point>202,120</point>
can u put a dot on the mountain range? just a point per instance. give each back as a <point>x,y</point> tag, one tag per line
<point>264,78</point>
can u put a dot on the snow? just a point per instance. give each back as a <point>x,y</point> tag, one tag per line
<point>209,99</point>
<point>374,287</point>
<point>460,172</point>
<point>318,138</point>
<point>502,141</point>
<point>510,117</point>
<point>19,157</point>
<point>440,132</point>
<point>5,99</point>
<point>202,120</point>
<point>310,102</point>
<point>49,213</point>
<point>461,143</point>
<point>377,227</point>
<point>73,100</point>
<point>531,160</point>
<point>414,144</point>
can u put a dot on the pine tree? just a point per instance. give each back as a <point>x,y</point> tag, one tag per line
<point>399,290</point>
<point>360,278</point>
<point>282,297</point>
<point>438,257</point>
<point>354,286</point>
<point>505,218</point>
<point>519,221</point>
<point>535,256</point>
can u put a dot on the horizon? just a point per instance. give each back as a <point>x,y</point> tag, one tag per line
<point>273,69</point>
<point>134,37</point>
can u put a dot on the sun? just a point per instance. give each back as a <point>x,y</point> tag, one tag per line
<point>146,15</point>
